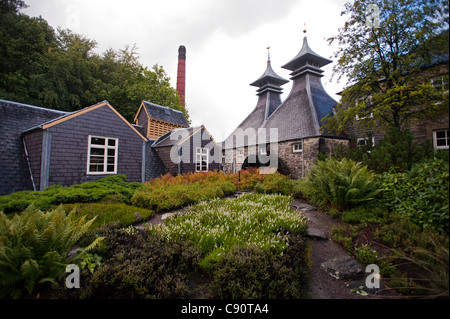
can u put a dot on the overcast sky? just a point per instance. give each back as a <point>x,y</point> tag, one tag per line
<point>226,43</point>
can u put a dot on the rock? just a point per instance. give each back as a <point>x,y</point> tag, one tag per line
<point>305,207</point>
<point>342,266</point>
<point>317,234</point>
<point>138,217</point>
<point>167,215</point>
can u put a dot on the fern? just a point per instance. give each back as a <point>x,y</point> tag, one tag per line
<point>341,184</point>
<point>34,246</point>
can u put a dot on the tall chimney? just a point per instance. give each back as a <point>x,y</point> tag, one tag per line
<point>181,75</point>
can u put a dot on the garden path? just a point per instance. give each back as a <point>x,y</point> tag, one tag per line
<point>321,284</point>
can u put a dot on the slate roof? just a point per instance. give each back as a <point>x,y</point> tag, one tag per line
<point>269,79</point>
<point>165,114</point>
<point>300,114</point>
<point>154,167</point>
<point>15,118</point>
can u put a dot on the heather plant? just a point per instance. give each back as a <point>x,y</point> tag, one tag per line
<point>34,246</point>
<point>168,192</point>
<point>216,226</point>
<point>275,184</point>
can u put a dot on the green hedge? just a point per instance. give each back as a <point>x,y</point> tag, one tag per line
<point>421,194</point>
<point>81,193</point>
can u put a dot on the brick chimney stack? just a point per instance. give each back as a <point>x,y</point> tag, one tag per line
<point>181,75</point>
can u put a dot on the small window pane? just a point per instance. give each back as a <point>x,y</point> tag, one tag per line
<point>110,168</point>
<point>111,152</point>
<point>111,142</point>
<point>97,141</point>
<point>440,134</point>
<point>97,151</point>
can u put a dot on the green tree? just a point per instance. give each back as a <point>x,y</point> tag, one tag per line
<point>384,64</point>
<point>11,6</point>
<point>24,42</point>
<point>61,69</point>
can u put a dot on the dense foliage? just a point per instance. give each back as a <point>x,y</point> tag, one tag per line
<point>397,150</point>
<point>421,194</point>
<point>80,193</point>
<point>170,192</point>
<point>219,225</point>
<point>34,247</point>
<point>340,184</point>
<point>206,253</point>
<point>60,69</point>
<point>384,46</point>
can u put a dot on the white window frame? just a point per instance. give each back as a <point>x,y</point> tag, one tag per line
<point>201,154</point>
<point>439,83</point>
<point>105,147</point>
<point>441,147</point>
<point>240,152</point>
<point>298,150</point>
<point>365,139</point>
<point>263,151</point>
<point>359,118</point>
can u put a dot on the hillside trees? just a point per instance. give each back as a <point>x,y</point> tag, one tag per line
<point>61,69</point>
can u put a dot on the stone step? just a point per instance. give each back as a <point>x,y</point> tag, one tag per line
<point>342,267</point>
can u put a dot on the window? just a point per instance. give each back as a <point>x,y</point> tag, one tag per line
<point>102,155</point>
<point>363,141</point>
<point>262,151</point>
<point>358,118</point>
<point>440,83</point>
<point>201,159</point>
<point>240,152</point>
<point>440,139</point>
<point>297,148</point>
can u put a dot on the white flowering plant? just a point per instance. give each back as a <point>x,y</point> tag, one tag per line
<point>217,226</point>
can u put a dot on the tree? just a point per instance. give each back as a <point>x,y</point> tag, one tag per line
<point>384,62</point>
<point>61,69</point>
<point>11,6</point>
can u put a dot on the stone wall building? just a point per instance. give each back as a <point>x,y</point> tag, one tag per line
<point>285,134</point>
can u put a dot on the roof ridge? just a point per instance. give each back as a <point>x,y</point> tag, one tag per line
<point>162,106</point>
<point>34,106</point>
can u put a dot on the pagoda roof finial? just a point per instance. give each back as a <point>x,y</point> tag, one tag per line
<point>269,78</point>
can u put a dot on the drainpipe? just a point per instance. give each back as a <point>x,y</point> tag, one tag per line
<point>303,157</point>
<point>28,162</point>
<point>179,160</point>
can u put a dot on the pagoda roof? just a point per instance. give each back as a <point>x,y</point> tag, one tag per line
<point>269,78</point>
<point>304,57</point>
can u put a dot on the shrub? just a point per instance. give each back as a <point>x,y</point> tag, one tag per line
<point>170,192</point>
<point>34,247</point>
<point>275,184</point>
<point>219,225</point>
<point>106,213</point>
<point>83,193</point>
<point>247,179</point>
<point>139,265</point>
<point>340,184</point>
<point>250,272</point>
<point>420,195</point>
